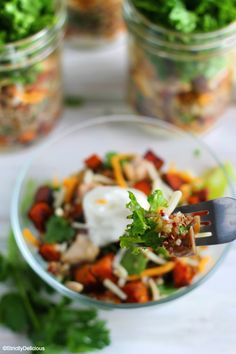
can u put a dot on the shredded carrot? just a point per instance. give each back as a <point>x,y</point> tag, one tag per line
<point>30,238</point>
<point>70,185</point>
<point>33,97</point>
<point>55,182</point>
<point>203,263</point>
<point>205,99</point>
<point>115,162</point>
<point>154,272</point>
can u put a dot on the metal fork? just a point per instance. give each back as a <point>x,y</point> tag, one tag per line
<point>218,217</point>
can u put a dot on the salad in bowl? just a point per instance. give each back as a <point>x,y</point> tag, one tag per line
<point>86,209</point>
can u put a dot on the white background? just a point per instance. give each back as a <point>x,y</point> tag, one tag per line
<point>203,321</point>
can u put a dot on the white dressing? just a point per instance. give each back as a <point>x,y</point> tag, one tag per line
<point>106,213</point>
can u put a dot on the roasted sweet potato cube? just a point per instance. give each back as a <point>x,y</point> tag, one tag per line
<point>102,269</point>
<point>44,194</point>
<point>143,186</point>
<point>156,160</point>
<point>136,291</point>
<point>93,162</point>
<point>183,274</point>
<point>39,215</point>
<point>49,252</point>
<point>173,180</point>
<point>83,275</point>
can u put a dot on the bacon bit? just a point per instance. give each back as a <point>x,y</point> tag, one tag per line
<point>76,213</point>
<point>94,162</point>
<point>144,186</point>
<point>203,263</point>
<point>39,215</point>
<point>30,238</point>
<point>115,162</point>
<point>193,199</point>
<point>136,291</point>
<point>103,268</point>
<point>44,194</point>
<point>183,274</point>
<point>49,252</point>
<point>84,275</point>
<point>154,272</point>
<point>173,180</point>
<point>156,160</point>
<point>70,185</point>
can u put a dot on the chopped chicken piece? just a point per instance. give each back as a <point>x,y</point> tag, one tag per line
<point>81,250</point>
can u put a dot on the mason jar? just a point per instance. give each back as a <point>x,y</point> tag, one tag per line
<point>185,79</point>
<point>94,23</point>
<point>31,85</point>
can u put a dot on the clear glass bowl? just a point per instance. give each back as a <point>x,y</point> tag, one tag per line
<point>117,133</point>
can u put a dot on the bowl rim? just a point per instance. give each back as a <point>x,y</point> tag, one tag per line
<point>52,281</point>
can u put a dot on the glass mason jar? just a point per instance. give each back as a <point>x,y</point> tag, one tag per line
<point>94,23</point>
<point>183,79</point>
<point>31,85</point>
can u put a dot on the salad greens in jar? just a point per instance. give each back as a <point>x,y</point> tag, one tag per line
<point>182,59</point>
<point>30,77</point>
<point>94,22</point>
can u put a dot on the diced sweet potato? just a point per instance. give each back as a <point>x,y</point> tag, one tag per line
<point>44,195</point>
<point>156,160</point>
<point>136,291</point>
<point>173,180</point>
<point>83,275</point>
<point>102,269</point>
<point>39,215</point>
<point>183,274</point>
<point>94,162</point>
<point>144,186</point>
<point>49,252</point>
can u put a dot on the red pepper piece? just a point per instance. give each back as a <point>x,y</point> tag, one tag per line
<point>183,274</point>
<point>136,291</point>
<point>93,162</point>
<point>173,180</point>
<point>39,215</point>
<point>49,252</point>
<point>156,160</point>
<point>144,186</point>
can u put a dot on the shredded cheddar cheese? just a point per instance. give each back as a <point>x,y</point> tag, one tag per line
<point>115,162</point>
<point>203,263</point>
<point>154,272</point>
<point>30,238</point>
<point>70,185</point>
<point>101,201</point>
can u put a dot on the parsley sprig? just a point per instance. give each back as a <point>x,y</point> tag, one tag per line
<point>31,308</point>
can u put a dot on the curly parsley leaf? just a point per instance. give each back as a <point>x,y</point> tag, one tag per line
<point>58,230</point>
<point>142,230</point>
<point>29,308</point>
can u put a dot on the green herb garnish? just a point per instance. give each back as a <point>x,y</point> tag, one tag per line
<point>187,16</point>
<point>30,307</point>
<point>22,18</point>
<point>73,101</point>
<point>58,230</point>
<point>143,231</point>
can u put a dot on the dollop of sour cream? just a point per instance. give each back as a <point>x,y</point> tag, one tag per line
<point>106,212</point>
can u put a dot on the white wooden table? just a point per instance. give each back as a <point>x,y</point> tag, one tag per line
<point>203,321</point>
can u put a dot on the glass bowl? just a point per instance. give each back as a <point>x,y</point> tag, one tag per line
<point>65,155</point>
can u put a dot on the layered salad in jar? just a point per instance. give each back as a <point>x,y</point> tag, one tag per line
<point>30,75</point>
<point>181,69</point>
